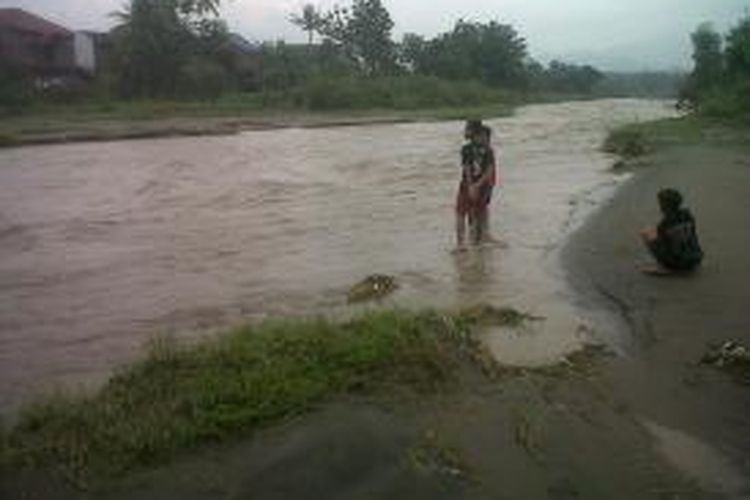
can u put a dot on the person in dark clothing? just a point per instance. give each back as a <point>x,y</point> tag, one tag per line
<point>477,178</point>
<point>674,242</point>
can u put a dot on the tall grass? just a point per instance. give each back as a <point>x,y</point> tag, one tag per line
<point>318,94</point>
<point>179,397</point>
<point>729,102</point>
<point>628,142</point>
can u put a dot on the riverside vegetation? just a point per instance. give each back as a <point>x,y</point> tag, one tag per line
<point>717,93</point>
<point>181,397</point>
<point>173,59</point>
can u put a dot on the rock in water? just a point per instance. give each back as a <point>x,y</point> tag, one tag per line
<point>375,286</point>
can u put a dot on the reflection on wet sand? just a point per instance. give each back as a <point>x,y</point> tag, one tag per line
<point>475,272</point>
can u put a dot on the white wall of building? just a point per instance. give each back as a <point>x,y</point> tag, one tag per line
<point>84,51</point>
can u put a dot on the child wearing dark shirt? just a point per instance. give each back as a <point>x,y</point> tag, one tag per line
<point>477,181</point>
<point>674,242</point>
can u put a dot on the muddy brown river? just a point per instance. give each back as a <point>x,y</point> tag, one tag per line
<point>104,245</point>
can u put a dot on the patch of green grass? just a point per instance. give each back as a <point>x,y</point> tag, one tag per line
<point>180,397</point>
<point>729,102</point>
<point>634,140</point>
<point>410,95</point>
<point>7,140</point>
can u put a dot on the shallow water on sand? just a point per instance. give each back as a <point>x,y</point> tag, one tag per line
<point>104,245</point>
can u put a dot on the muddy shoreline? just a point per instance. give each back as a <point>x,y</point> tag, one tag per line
<point>199,127</point>
<point>42,130</point>
<point>670,322</point>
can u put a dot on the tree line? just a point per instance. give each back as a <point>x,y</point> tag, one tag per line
<point>182,49</point>
<point>492,53</point>
<point>720,81</point>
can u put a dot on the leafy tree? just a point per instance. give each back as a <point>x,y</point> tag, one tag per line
<point>363,33</point>
<point>411,51</point>
<point>150,48</point>
<point>493,53</point>
<point>535,74</point>
<point>562,77</point>
<point>708,59</point>
<point>370,28</point>
<point>156,40</point>
<point>283,66</point>
<point>738,49</point>
<point>309,20</point>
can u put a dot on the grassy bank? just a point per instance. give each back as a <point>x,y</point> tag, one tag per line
<point>180,397</point>
<point>166,119</point>
<point>639,139</point>
<point>319,102</point>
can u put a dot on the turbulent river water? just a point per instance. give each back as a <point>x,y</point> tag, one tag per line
<point>104,245</point>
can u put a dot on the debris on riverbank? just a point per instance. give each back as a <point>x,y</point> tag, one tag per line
<point>731,357</point>
<point>374,287</point>
<point>487,315</point>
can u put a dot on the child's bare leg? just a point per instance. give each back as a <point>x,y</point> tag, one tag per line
<point>474,226</point>
<point>460,229</point>
<point>482,221</point>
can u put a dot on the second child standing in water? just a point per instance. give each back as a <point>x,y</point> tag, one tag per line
<point>485,192</point>
<point>477,181</point>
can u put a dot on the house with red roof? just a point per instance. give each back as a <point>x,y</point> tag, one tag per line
<point>43,49</point>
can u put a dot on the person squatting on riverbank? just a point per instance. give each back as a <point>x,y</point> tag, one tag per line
<point>674,242</point>
<point>478,178</point>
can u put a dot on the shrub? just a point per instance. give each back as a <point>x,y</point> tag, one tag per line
<point>404,92</point>
<point>730,102</point>
<point>628,142</point>
<point>16,90</point>
<point>204,79</point>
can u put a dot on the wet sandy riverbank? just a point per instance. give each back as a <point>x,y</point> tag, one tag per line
<point>697,417</point>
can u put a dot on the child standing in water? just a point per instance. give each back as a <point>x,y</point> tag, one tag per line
<point>674,242</point>
<point>477,182</point>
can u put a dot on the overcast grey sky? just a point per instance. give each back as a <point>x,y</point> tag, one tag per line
<point>612,34</point>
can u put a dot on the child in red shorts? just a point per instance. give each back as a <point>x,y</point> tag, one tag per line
<point>477,182</point>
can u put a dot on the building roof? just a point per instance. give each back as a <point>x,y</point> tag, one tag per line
<point>241,43</point>
<point>25,21</point>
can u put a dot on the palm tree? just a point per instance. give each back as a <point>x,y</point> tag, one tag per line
<point>308,21</point>
<point>199,7</point>
<point>153,40</point>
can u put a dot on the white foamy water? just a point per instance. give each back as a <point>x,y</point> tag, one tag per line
<point>104,245</point>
